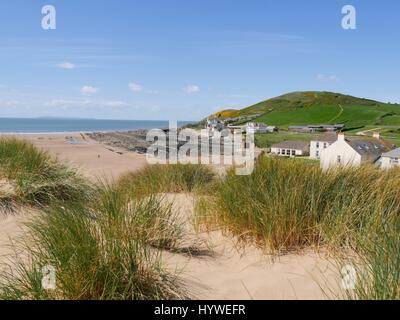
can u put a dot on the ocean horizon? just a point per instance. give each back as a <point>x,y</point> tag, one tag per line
<point>65,125</point>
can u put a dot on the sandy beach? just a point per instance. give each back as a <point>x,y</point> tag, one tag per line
<point>93,159</point>
<point>227,273</point>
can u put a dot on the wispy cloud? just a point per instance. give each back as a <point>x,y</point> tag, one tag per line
<point>191,88</point>
<point>12,103</point>
<point>88,90</point>
<point>66,65</point>
<point>135,87</point>
<point>327,78</point>
<point>237,40</point>
<point>65,103</point>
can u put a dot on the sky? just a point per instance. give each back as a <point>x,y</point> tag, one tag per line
<point>185,59</point>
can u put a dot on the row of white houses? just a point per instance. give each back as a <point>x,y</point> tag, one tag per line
<point>215,125</point>
<point>338,150</point>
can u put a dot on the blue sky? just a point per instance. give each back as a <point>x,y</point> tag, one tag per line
<point>184,59</point>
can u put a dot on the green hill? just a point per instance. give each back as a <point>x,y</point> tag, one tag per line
<point>313,107</point>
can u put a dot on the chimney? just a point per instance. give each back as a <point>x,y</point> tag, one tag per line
<point>377,135</point>
<point>340,137</point>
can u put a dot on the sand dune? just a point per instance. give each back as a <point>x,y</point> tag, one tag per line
<point>237,272</point>
<point>228,273</point>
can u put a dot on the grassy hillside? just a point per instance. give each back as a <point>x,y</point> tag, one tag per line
<point>320,107</point>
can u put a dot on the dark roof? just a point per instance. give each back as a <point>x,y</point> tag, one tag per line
<point>318,126</point>
<point>298,145</point>
<point>326,137</point>
<point>298,127</point>
<point>370,149</point>
<point>392,154</point>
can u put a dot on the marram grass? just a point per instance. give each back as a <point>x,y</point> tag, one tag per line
<point>287,205</point>
<point>107,249</point>
<point>167,179</point>
<point>32,177</point>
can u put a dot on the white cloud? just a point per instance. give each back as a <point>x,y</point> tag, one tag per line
<point>135,87</point>
<point>66,65</point>
<point>88,90</point>
<point>191,88</point>
<point>327,78</point>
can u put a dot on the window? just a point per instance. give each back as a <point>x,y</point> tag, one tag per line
<point>283,151</point>
<point>288,152</point>
<point>395,160</point>
<point>317,144</point>
<point>325,145</point>
<point>293,152</point>
<point>339,159</point>
<point>317,154</point>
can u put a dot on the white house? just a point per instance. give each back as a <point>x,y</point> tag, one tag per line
<point>213,125</point>
<point>291,149</point>
<point>353,151</point>
<point>390,159</point>
<point>321,143</point>
<point>255,127</point>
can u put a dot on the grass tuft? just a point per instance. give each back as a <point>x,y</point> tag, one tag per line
<point>167,179</point>
<point>107,249</point>
<point>33,178</point>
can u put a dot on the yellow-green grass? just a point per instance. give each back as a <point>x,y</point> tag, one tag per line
<point>105,243</point>
<point>167,179</point>
<point>34,178</point>
<point>107,248</point>
<point>288,205</point>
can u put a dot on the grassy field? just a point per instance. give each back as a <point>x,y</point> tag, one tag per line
<point>300,108</point>
<point>266,140</point>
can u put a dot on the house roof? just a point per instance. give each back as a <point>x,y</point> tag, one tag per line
<point>319,126</point>
<point>392,154</point>
<point>297,145</point>
<point>327,137</point>
<point>370,149</point>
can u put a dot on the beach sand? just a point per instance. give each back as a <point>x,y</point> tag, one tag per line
<point>94,160</point>
<point>229,273</point>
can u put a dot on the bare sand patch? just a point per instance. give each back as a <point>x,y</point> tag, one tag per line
<point>95,160</point>
<point>233,272</point>
<point>12,227</point>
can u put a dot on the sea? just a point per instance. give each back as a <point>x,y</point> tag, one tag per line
<point>56,125</point>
